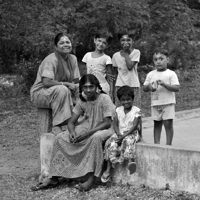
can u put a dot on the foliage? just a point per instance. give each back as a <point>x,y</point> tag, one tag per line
<point>28,27</point>
<point>28,70</point>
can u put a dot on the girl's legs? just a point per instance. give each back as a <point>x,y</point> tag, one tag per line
<point>106,175</point>
<point>110,155</point>
<point>168,124</point>
<point>157,131</point>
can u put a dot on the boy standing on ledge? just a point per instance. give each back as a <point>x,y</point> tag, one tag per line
<point>162,83</point>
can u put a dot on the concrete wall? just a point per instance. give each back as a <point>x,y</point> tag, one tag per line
<point>160,165</point>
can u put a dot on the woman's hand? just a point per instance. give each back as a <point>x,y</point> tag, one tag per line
<point>72,137</point>
<point>81,137</point>
<point>71,86</point>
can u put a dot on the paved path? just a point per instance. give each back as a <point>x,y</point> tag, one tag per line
<point>186,130</point>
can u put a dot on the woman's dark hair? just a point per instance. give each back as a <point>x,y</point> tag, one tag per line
<point>125,91</point>
<point>58,36</point>
<point>104,34</point>
<point>91,79</point>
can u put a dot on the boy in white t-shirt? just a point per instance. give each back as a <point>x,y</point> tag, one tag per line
<point>100,64</point>
<point>125,63</point>
<point>162,83</point>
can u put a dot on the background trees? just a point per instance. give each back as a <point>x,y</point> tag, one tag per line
<point>27,29</point>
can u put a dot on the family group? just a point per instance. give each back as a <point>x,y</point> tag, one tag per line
<point>103,122</point>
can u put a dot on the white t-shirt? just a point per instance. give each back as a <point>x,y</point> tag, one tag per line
<point>126,120</point>
<point>97,67</point>
<point>162,96</point>
<point>125,76</point>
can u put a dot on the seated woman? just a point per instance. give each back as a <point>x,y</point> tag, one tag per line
<point>121,145</point>
<point>56,80</point>
<point>79,150</point>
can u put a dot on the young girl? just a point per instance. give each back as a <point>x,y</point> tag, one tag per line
<point>125,64</point>
<point>100,64</point>
<point>121,145</point>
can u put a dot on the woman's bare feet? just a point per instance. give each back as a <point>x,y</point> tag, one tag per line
<point>46,184</point>
<point>87,185</point>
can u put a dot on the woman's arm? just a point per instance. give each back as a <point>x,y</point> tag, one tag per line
<point>105,125</point>
<point>71,126</point>
<point>50,82</point>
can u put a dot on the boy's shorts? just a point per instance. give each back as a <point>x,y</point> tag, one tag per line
<point>163,112</point>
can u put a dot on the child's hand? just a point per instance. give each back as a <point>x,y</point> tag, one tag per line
<point>125,52</point>
<point>160,82</point>
<point>153,86</point>
<point>110,77</point>
<point>119,139</point>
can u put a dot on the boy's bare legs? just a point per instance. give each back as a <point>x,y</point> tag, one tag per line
<point>157,131</point>
<point>168,124</point>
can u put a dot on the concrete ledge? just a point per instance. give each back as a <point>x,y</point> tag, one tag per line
<point>160,165</point>
<point>180,115</point>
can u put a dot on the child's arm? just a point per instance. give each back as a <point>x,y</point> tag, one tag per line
<point>116,125</point>
<point>83,68</point>
<point>133,128</point>
<point>110,78</point>
<point>109,73</point>
<point>172,88</point>
<point>149,88</point>
<point>130,64</point>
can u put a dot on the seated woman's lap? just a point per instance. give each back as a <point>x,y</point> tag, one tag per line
<point>43,98</point>
<point>103,134</point>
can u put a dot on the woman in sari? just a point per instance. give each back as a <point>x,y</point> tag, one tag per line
<point>79,150</point>
<point>56,80</point>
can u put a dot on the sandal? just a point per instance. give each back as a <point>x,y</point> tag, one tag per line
<point>132,167</point>
<point>105,178</point>
<point>49,183</point>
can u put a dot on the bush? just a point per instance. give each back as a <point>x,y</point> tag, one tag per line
<point>28,71</point>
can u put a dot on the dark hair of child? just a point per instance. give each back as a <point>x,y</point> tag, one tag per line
<point>92,80</point>
<point>162,51</point>
<point>125,91</point>
<point>128,33</point>
<point>104,34</point>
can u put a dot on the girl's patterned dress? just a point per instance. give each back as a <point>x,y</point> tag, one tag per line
<point>126,151</point>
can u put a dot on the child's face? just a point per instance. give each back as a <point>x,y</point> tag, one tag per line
<point>126,42</point>
<point>89,90</point>
<point>126,101</point>
<point>100,44</point>
<point>160,61</point>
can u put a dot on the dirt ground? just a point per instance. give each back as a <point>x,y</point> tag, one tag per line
<point>19,160</point>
